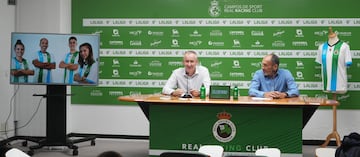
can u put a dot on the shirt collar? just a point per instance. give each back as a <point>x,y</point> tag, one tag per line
<point>276,74</point>
<point>196,72</point>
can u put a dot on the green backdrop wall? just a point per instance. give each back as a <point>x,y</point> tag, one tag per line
<point>143,41</point>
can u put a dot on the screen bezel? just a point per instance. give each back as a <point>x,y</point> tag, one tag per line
<point>31,42</point>
<point>219,96</point>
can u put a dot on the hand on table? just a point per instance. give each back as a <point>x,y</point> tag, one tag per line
<point>195,93</point>
<point>178,92</point>
<point>275,95</point>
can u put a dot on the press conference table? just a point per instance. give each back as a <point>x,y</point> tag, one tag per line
<point>241,100</point>
<point>241,126</point>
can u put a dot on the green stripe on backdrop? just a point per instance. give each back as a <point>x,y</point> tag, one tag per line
<point>105,95</point>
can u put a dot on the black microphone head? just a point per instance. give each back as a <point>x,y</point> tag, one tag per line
<point>187,96</point>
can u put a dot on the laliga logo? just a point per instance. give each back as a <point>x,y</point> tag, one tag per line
<point>224,130</point>
<point>214,9</point>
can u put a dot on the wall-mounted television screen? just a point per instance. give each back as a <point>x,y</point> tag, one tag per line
<point>59,59</point>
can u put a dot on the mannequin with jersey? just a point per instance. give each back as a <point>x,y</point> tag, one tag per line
<point>334,57</point>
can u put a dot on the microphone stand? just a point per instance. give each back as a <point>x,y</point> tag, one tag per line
<point>187,95</point>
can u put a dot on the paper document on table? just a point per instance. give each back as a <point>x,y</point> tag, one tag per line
<point>165,97</point>
<point>258,98</point>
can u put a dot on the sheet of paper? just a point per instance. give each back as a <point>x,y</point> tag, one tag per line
<point>258,98</point>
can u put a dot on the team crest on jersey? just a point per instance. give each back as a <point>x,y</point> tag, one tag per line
<point>336,52</point>
<point>224,130</point>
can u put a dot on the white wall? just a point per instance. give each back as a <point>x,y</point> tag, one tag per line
<point>54,16</point>
<point>115,120</point>
<point>321,124</point>
<point>34,16</point>
<point>7,25</point>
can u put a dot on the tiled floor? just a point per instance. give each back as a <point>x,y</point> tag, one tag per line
<point>127,148</point>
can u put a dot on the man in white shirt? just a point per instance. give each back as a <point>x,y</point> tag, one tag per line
<point>188,79</point>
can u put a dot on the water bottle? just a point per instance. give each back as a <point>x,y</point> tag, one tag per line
<point>202,92</point>
<point>235,93</point>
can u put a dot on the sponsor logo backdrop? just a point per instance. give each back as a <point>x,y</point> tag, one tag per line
<point>143,41</point>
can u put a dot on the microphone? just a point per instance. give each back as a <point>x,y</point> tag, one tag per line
<point>187,95</point>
